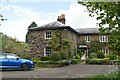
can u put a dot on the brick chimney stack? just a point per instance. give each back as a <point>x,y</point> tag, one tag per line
<point>61,18</point>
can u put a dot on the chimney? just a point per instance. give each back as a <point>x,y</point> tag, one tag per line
<point>61,18</point>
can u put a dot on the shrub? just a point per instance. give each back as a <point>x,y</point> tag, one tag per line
<point>26,56</point>
<point>112,56</point>
<point>74,61</point>
<point>44,58</point>
<point>95,61</point>
<point>77,57</point>
<point>100,61</point>
<point>100,54</point>
<point>93,55</point>
<point>55,56</point>
<point>64,55</point>
<point>35,59</point>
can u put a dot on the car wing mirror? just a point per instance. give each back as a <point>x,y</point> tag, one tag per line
<point>17,58</point>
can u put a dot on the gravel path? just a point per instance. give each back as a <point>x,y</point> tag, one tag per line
<point>72,71</point>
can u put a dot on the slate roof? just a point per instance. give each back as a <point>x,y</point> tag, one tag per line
<point>50,25</point>
<point>56,25</point>
<point>87,30</point>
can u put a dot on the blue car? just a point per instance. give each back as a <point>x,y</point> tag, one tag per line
<point>12,61</point>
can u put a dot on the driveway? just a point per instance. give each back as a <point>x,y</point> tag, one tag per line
<point>72,71</point>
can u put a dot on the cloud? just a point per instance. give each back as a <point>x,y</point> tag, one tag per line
<point>78,17</point>
<point>75,17</point>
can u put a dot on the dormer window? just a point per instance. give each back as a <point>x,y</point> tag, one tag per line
<point>87,38</point>
<point>48,35</point>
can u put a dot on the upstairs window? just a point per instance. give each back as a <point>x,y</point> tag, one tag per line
<point>47,51</point>
<point>103,38</point>
<point>87,38</point>
<point>48,35</point>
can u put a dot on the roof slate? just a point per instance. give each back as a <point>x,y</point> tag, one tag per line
<point>52,24</point>
<point>87,30</point>
<point>57,24</point>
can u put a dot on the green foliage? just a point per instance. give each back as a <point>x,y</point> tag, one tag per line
<point>95,61</point>
<point>11,45</point>
<point>93,55</point>
<point>77,57</point>
<point>100,54</point>
<point>44,58</point>
<point>95,46</point>
<point>25,56</point>
<point>55,56</point>
<point>60,44</point>
<point>107,13</point>
<point>35,59</point>
<point>74,61</point>
<point>51,63</point>
<point>114,41</point>
<point>64,55</point>
<point>112,56</point>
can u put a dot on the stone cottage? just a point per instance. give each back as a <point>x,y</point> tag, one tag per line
<point>38,36</point>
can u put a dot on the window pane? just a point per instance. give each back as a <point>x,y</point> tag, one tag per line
<point>48,35</point>
<point>48,51</point>
<point>11,57</point>
<point>2,56</point>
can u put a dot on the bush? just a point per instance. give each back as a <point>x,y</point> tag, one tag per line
<point>93,55</point>
<point>26,56</point>
<point>44,58</point>
<point>100,54</point>
<point>77,57</point>
<point>52,63</point>
<point>74,61</point>
<point>35,59</point>
<point>55,56</point>
<point>64,55</point>
<point>112,56</point>
<point>95,61</point>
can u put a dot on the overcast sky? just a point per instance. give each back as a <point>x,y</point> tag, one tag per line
<point>21,14</point>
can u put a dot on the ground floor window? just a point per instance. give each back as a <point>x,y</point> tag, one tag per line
<point>105,51</point>
<point>47,51</point>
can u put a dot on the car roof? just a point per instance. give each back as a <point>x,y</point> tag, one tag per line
<point>2,53</point>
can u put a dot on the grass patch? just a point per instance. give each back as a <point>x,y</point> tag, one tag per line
<point>111,76</point>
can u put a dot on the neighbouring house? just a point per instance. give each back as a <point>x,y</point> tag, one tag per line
<point>38,37</point>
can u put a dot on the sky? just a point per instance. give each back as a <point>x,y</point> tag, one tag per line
<point>21,13</point>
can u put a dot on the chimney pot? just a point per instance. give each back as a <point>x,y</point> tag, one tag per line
<point>61,18</point>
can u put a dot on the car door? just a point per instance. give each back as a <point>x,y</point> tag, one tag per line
<point>12,61</point>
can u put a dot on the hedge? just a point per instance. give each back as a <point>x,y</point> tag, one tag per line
<point>97,61</point>
<point>52,63</point>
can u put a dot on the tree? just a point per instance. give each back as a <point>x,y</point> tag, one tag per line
<point>10,45</point>
<point>107,13</point>
<point>60,44</point>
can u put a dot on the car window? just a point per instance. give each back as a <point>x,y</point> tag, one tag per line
<point>11,57</point>
<point>2,56</point>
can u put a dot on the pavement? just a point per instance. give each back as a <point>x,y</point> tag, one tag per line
<point>72,71</point>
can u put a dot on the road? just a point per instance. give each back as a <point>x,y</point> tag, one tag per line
<point>72,71</point>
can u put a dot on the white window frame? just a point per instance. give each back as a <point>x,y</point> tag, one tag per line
<point>48,33</point>
<point>46,51</point>
<point>103,38</point>
<point>105,51</point>
<point>87,38</point>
